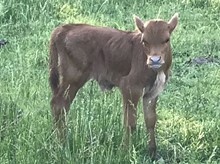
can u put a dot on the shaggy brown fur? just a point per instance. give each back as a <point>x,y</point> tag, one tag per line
<point>136,62</point>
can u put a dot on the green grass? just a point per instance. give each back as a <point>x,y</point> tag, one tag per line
<point>188,127</point>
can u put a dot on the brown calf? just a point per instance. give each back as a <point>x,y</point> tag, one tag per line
<point>136,62</point>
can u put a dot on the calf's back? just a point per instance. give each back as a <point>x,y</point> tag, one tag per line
<point>105,54</point>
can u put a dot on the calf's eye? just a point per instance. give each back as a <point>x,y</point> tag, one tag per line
<point>145,43</point>
<point>167,40</point>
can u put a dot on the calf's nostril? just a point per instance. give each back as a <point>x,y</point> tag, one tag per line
<point>155,59</point>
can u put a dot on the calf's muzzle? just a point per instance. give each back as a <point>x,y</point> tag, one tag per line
<point>154,61</point>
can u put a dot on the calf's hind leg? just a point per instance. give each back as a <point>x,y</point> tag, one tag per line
<point>60,104</point>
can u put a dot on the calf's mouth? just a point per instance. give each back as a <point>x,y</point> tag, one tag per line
<point>154,66</point>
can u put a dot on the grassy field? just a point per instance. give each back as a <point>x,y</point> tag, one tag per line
<point>188,126</point>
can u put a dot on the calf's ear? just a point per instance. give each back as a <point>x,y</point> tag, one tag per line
<point>139,23</point>
<point>173,22</point>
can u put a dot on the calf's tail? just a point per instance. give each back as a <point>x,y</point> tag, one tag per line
<point>53,66</point>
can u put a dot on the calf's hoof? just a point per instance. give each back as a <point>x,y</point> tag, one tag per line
<point>152,153</point>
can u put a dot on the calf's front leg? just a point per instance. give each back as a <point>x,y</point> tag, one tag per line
<point>130,101</point>
<point>149,109</point>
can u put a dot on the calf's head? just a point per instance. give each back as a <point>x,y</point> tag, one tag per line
<point>156,39</point>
